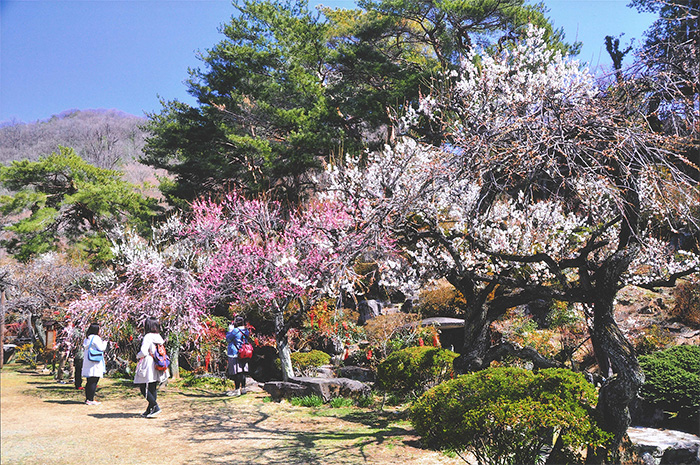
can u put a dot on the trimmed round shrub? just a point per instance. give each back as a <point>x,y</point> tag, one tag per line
<point>673,382</point>
<point>306,362</point>
<point>412,370</point>
<point>441,300</point>
<point>508,415</point>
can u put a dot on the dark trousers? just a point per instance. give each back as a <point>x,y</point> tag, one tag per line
<point>239,380</point>
<point>77,373</point>
<point>150,392</point>
<point>91,387</point>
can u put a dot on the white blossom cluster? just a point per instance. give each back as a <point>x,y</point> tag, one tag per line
<point>131,248</point>
<point>657,261</point>
<point>525,80</point>
<point>507,115</point>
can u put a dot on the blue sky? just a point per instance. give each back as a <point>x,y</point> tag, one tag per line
<point>57,55</point>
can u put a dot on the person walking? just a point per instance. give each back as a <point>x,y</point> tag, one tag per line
<point>237,368</point>
<point>94,362</point>
<point>147,377</point>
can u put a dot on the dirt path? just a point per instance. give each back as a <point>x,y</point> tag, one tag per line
<point>44,422</point>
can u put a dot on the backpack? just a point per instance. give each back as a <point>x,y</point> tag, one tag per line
<point>160,358</point>
<point>246,349</point>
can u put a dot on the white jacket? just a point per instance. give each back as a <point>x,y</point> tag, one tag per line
<point>145,368</point>
<point>91,368</point>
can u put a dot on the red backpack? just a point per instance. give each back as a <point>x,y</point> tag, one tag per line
<point>160,357</point>
<point>246,350</point>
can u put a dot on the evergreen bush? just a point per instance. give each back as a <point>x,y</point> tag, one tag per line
<point>441,300</point>
<point>510,415</point>
<point>412,370</point>
<point>307,362</point>
<point>673,382</point>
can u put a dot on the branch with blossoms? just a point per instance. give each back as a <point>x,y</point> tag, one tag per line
<point>544,185</point>
<point>147,284</point>
<point>258,254</point>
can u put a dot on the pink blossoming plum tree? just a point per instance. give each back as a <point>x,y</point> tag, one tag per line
<point>256,253</point>
<point>246,252</point>
<point>148,281</point>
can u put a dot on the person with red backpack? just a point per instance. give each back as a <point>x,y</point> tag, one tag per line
<point>239,352</point>
<point>152,366</point>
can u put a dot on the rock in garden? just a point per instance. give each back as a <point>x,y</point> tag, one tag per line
<point>362,374</point>
<point>665,447</point>
<point>368,309</point>
<point>284,390</point>
<point>328,388</point>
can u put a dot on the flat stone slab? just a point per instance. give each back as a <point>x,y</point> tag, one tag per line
<point>329,388</point>
<point>284,390</point>
<point>326,388</point>
<point>665,446</point>
<point>442,322</point>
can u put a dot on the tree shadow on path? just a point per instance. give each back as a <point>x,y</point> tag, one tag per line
<point>65,402</point>
<point>261,433</point>
<point>103,416</point>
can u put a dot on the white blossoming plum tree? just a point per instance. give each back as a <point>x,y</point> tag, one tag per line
<point>543,191</point>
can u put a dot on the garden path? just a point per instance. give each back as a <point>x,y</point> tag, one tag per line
<point>44,422</point>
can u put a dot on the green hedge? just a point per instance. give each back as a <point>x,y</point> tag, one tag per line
<point>304,362</point>
<point>508,415</point>
<point>673,381</point>
<point>414,369</point>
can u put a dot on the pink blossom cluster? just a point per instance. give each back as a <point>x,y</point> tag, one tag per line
<point>263,255</point>
<point>144,289</point>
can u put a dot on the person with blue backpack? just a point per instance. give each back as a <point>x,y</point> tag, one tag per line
<point>239,351</point>
<point>94,362</point>
<point>150,371</point>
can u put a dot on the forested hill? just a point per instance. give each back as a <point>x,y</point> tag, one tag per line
<point>104,138</point>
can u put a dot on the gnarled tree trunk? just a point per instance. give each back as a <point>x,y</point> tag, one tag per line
<point>616,358</point>
<point>477,340</point>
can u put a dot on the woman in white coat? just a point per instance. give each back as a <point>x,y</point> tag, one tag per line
<point>93,370</point>
<point>147,377</point>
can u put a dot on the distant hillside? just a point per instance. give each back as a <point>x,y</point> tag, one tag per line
<point>105,138</point>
